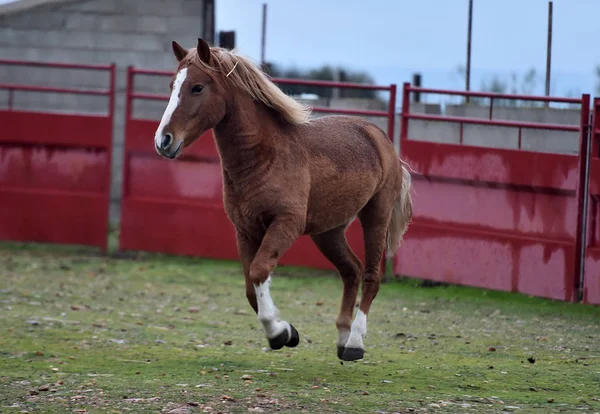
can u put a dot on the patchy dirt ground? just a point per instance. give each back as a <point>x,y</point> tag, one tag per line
<point>83,333</point>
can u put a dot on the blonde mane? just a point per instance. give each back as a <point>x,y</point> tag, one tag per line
<point>243,74</point>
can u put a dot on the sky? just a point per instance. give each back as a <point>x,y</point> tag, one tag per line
<point>391,39</point>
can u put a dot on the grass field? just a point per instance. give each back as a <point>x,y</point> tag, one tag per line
<point>85,333</point>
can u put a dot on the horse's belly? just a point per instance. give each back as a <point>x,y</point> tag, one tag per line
<point>335,207</point>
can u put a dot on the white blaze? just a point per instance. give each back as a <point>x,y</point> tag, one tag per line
<point>267,312</point>
<point>171,106</point>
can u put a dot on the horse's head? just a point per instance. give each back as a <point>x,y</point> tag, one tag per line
<point>197,102</point>
<point>208,83</point>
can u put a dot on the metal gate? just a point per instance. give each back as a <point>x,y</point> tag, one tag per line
<point>591,275</point>
<point>55,167</point>
<point>505,219</point>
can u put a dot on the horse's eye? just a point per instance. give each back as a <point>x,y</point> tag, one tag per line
<point>197,89</point>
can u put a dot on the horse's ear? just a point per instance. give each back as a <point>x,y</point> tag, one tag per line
<point>203,51</point>
<point>179,51</point>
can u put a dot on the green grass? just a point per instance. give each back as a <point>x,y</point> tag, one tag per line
<point>155,334</point>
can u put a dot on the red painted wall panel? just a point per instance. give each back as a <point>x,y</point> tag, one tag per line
<point>151,176</point>
<point>591,287</point>
<point>42,167</point>
<point>70,130</point>
<point>543,213</point>
<point>493,218</point>
<point>482,237</point>
<point>591,281</point>
<point>55,168</point>
<point>140,138</point>
<point>47,216</point>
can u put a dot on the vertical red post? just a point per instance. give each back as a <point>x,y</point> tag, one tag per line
<point>405,111</point>
<point>109,148</point>
<point>128,115</point>
<point>595,133</point>
<point>392,112</point>
<point>595,128</point>
<point>387,262</point>
<point>581,196</point>
<point>10,98</point>
<point>491,107</point>
<point>590,238</point>
<point>129,92</point>
<point>112,88</point>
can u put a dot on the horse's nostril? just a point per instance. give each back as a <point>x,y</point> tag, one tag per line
<point>166,141</point>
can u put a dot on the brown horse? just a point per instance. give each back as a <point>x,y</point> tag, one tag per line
<point>287,175</point>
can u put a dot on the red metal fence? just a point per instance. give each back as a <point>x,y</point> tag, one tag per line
<point>591,281</point>
<point>506,219</point>
<point>503,219</point>
<point>176,207</point>
<point>55,167</point>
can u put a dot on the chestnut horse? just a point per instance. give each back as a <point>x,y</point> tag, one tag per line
<point>286,175</point>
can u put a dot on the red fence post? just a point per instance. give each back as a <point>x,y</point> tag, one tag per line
<point>111,117</point>
<point>595,128</point>
<point>590,284</point>
<point>128,114</point>
<point>592,209</point>
<point>405,112</point>
<point>581,194</point>
<point>392,112</point>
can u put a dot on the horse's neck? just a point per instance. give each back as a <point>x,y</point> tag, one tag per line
<point>243,141</point>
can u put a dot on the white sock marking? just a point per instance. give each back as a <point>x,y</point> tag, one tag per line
<point>171,106</point>
<point>358,330</point>
<point>268,313</point>
<point>343,338</point>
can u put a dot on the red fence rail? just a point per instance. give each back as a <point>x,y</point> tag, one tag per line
<point>390,114</point>
<point>503,219</point>
<point>55,169</point>
<point>183,200</point>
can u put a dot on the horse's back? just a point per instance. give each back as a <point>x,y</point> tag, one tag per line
<point>349,143</point>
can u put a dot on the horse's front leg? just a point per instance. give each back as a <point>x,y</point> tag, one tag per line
<point>279,237</point>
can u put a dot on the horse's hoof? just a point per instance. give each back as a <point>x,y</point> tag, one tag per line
<point>284,339</point>
<point>340,351</point>
<point>352,354</point>
<point>279,341</point>
<point>295,339</point>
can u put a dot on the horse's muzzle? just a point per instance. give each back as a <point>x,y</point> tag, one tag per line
<point>169,152</point>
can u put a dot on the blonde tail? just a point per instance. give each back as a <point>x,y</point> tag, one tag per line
<point>401,216</point>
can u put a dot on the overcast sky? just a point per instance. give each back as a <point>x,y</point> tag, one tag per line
<point>393,38</point>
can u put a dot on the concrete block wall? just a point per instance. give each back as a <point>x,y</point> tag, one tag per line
<point>498,137</point>
<point>124,32</point>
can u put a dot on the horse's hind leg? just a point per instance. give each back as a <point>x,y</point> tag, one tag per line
<point>335,248</point>
<point>375,218</point>
<point>247,250</point>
